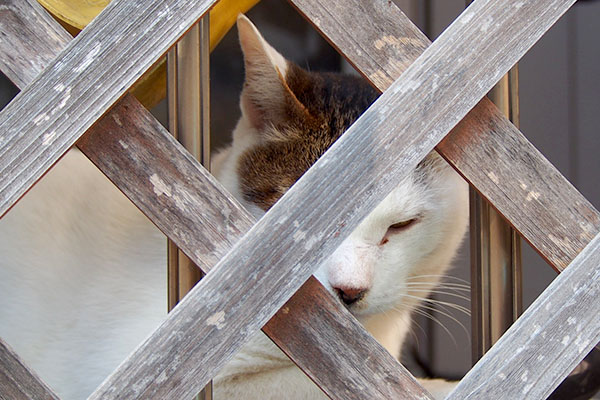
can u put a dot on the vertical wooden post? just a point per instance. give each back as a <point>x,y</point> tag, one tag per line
<point>188,90</point>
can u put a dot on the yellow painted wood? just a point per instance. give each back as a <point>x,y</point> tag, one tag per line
<point>77,13</point>
<point>151,88</point>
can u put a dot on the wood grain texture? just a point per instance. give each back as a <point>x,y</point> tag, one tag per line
<point>77,87</point>
<point>547,341</point>
<point>267,286</point>
<point>495,157</point>
<point>279,253</point>
<point>22,23</point>
<point>137,154</point>
<point>203,220</point>
<point>224,295</point>
<point>364,373</point>
<point>165,182</point>
<point>485,147</point>
<point>17,381</point>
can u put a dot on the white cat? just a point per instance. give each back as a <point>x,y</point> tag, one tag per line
<point>78,296</point>
<point>387,265</point>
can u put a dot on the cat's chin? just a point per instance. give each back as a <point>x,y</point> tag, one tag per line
<point>362,311</point>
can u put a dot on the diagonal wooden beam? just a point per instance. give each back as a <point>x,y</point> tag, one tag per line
<point>17,381</point>
<point>203,220</point>
<point>496,157</point>
<point>132,148</point>
<point>486,148</point>
<point>290,241</point>
<point>544,345</point>
<point>87,78</point>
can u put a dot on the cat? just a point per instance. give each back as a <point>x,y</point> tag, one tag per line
<point>77,297</point>
<point>390,261</point>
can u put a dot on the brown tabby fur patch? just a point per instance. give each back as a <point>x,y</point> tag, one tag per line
<point>333,102</point>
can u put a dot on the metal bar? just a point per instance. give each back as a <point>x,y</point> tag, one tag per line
<point>188,93</point>
<point>496,290</point>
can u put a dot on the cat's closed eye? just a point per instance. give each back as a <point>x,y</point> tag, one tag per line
<point>397,228</point>
<point>402,225</point>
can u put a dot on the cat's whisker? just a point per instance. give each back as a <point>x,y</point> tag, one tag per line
<point>440,292</point>
<point>414,334</point>
<point>444,308</point>
<point>442,285</point>
<point>450,306</point>
<point>444,304</point>
<point>442,311</point>
<point>440,289</point>
<point>436,320</point>
<point>439,276</point>
<point>399,325</point>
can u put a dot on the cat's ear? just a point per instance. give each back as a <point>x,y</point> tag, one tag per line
<point>266,98</point>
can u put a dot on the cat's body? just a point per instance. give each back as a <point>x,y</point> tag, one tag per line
<point>290,117</point>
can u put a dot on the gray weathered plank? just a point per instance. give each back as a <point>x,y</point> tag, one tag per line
<point>17,381</point>
<point>165,182</point>
<point>345,372</point>
<point>131,147</point>
<point>203,220</point>
<point>547,341</point>
<point>290,241</point>
<point>485,147</point>
<point>26,22</point>
<point>93,72</point>
<point>497,158</point>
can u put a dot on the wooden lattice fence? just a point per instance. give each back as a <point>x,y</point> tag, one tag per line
<point>73,93</point>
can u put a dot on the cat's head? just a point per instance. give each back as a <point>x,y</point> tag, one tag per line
<point>290,117</point>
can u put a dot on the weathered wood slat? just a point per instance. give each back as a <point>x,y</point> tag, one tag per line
<point>94,71</point>
<point>218,321</point>
<point>131,147</point>
<point>495,157</point>
<point>165,182</point>
<point>17,381</point>
<point>290,241</point>
<point>527,189</point>
<point>203,220</point>
<point>26,22</point>
<point>485,147</point>
<point>342,375</point>
<point>547,341</point>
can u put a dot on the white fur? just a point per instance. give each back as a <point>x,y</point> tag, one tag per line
<point>82,277</point>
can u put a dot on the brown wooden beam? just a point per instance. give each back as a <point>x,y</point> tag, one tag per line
<point>17,381</point>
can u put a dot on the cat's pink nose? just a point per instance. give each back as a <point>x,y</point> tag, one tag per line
<point>350,295</point>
